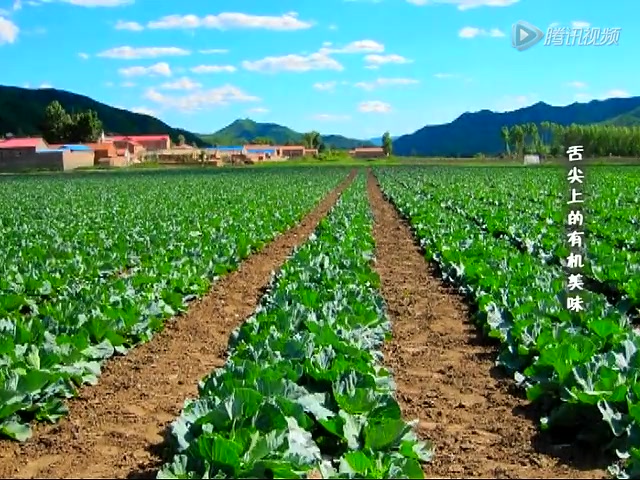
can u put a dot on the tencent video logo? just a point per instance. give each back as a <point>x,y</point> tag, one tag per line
<point>524,35</point>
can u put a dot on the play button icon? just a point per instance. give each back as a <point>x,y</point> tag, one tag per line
<point>524,35</point>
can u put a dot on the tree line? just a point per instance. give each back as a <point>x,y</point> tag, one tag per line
<point>59,126</point>
<point>548,138</point>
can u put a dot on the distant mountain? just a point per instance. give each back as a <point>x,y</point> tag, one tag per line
<point>22,112</point>
<point>246,130</point>
<point>479,132</point>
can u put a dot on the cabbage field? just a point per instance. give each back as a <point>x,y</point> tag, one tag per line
<point>92,265</point>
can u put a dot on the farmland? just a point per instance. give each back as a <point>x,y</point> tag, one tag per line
<point>137,292</point>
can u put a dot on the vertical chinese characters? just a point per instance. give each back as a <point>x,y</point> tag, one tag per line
<point>575,234</point>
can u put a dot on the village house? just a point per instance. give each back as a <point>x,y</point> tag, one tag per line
<point>150,143</point>
<point>290,151</point>
<point>367,152</point>
<point>24,154</point>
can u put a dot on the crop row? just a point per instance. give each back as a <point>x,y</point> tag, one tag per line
<point>583,366</point>
<point>537,223</point>
<point>303,391</point>
<point>104,261</point>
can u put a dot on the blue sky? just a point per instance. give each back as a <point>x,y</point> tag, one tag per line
<point>356,67</point>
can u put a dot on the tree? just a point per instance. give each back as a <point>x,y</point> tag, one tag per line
<point>505,133</point>
<point>56,123</point>
<point>263,141</point>
<point>312,139</point>
<point>181,140</point>
<point>518,135</point>
<point>387,144</point>
<point>84,127</point>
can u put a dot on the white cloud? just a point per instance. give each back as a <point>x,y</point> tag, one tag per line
<point>325,86</point>
<point>330,117</point>
<point>445,75</point>
<point>320,60</point>
<point>200,99</point>
<point>83,55</point>
<point>509,103</point>
<point>144,111</point>
<point>384,82</point>
<point>374,106</point>
<point>45,85</point>
<point>132,26</point>
<point>143,52</point>
<point>466,4</point>
<point>184,83</point>
<point>231,20</point>
<point>293,63</point>
<point>375,60</point>
<point>128,84</point>
<point>472,32</point>
<point>211,51</point>
<point>258,110</point>
<point>577,84</point>
<point>616,93</point>
<point>161,68</point>
<point>580,24</point>
<point>213,69</point>
<point>8,31</point>
<point>359,46</point>
<point>97,3</point>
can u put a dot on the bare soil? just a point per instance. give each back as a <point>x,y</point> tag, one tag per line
<point>446,377</point>
<point>117,428</point>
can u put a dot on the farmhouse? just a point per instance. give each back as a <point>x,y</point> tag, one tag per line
<point>23,154</point>
<point>367,152</point>
<point>148,142</point>
<point>291,151</point>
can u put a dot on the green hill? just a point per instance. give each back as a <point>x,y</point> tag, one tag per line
<point>479,132</point>
<point>246,130</point>
<point>629,119</point>
<point>22,112</point>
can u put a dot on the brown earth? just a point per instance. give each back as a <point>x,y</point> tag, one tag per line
<point>116,428</point>
<point>445,373</point>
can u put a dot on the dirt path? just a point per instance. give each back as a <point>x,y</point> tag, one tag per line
<point>115,429</point>
<point>443,371</point>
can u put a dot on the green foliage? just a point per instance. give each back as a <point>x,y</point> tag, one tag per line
<point>22,112</point>
<point>387,144</point>
<point>72,295</point>
<point>303,388</point>
<point>598,140</point>
<point>60,127</point>
<point>499,236</point>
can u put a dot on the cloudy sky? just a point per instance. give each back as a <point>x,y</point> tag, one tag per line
<point>357,67</point>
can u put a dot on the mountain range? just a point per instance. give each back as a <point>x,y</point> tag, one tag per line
<point>246,130</point>
<point>22,111</point>
<point>479,132</point>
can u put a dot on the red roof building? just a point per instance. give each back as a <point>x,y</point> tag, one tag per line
<point>35,142</point>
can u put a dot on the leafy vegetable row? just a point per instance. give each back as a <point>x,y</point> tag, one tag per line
<point>303,391</point>
<point>585,367</point>
<point>113,256</point>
